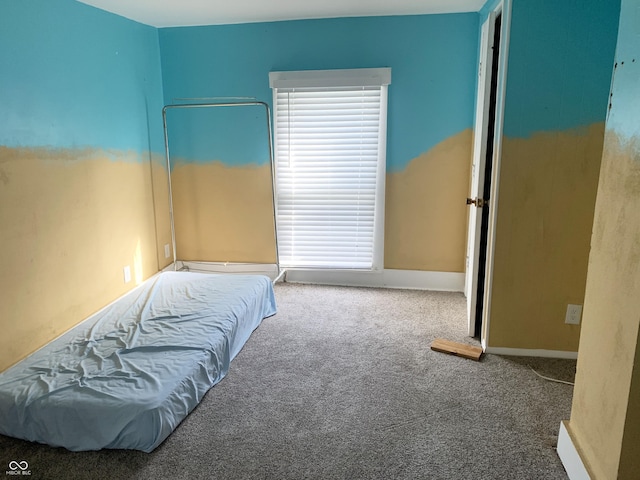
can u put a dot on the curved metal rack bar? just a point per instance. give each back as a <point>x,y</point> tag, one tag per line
<point>241,102</point>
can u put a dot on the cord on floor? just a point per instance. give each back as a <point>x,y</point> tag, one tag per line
<point>551,379</point>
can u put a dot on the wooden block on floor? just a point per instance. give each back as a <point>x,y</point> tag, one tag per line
<point>455,348</point>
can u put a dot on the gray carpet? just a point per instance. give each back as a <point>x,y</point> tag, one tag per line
<point>341,384</point>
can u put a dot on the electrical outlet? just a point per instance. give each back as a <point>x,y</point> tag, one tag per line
<point>574,312</point>
<point>127,274</point>
<point>167,252</point>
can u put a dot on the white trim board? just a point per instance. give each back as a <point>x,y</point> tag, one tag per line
<point>356,77</point>
<point>530,352</point>
<point>570,457</point>
<point>388,278</point>
<point>269,269</point>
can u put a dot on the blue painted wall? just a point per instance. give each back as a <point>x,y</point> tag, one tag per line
<point>234,135</point>
<point>75,76</point>
<point>433,60</point>
<point>624,117</point>
<point>559,67</point>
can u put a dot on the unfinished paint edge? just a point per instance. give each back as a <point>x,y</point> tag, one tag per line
<point>388,278</point>
<point>531,352</point>
<point>569,456</point>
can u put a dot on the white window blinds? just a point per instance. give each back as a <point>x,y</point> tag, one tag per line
<point>329,143</point>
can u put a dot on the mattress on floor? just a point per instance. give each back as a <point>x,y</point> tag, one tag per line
<point>126,377</point>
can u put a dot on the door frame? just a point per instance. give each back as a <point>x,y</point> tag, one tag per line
<point>478,166</point>
<point>503,7</point>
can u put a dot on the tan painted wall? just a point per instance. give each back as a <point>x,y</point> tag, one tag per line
<point>426,214</point>
<point>601,412</point>
<point>629,458</point>
<point>71,220</point>
<point>547,193</point>
<point>223,213</point>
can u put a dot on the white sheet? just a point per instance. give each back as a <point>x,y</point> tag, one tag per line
<point>129,375</point>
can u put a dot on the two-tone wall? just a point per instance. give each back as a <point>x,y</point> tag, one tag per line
<point>82,183</point>
<point>605,417</point>
<point>223,208</point>
<point>560,59</point>
<point>82,186</point>
<point>81,95</point>
<point>431,99</point>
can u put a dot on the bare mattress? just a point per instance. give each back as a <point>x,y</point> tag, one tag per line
<point>127,376</point>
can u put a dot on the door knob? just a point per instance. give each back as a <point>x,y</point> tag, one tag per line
<point>477,202</point>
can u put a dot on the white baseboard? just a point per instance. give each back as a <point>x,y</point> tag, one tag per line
<point>268,269</point>
<point>531,352</point>
<point>407,279</point>
<point>570,457</point>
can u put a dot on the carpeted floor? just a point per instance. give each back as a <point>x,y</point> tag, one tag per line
<point>341,384</point>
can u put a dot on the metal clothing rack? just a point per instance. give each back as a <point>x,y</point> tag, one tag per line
<point>215,102</point>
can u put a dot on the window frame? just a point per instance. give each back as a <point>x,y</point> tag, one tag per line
<point>326,79</point>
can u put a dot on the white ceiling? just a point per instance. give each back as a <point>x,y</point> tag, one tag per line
<point>172,13</point>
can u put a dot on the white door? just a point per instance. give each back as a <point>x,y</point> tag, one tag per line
<point>478,168</point>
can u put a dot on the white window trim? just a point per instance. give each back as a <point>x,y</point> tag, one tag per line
<point>378,240</point>
<point>349,78</point>
<point>359,77</point>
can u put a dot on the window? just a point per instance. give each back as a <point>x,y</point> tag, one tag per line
<point>330,141</point>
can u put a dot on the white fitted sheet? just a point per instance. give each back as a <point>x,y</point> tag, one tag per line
<point>126,377</point>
